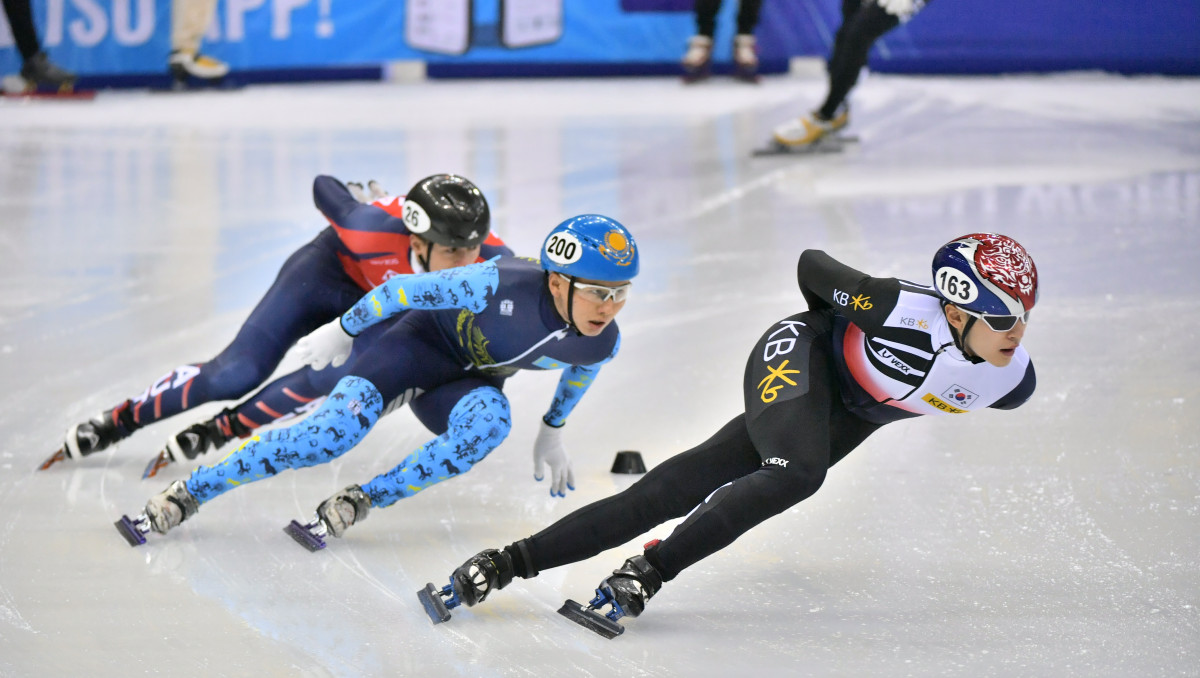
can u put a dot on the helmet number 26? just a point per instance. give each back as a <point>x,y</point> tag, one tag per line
<point>956,286</point>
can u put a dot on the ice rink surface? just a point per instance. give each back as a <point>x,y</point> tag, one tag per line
<point>1061,539</point>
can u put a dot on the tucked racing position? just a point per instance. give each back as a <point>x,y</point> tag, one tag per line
<point>441,223</point>
<point>868,352</point>
<point>463,333</point>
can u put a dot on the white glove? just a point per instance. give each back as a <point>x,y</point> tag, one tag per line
<point>548,448</point>
<point>377,192</point>
<point>327,345</point>
<point>356,190</point>
<point>900,8</point>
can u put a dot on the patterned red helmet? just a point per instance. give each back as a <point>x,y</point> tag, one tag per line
<point>986,273</point>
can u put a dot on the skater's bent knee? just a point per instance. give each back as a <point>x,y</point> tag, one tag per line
<point>232,378</point>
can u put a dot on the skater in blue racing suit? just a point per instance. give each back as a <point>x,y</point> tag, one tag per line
<point>464,331</point>
<point>868,352</point>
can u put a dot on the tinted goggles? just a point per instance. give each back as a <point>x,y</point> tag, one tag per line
<point>999,323</point>
<point>602,293</point>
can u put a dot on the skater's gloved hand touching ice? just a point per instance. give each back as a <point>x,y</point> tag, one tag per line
<point>548,449</point>
<point>329,344</point>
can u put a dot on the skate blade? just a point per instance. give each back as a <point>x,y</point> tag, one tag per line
<point>590,619</point>
<point>52,96</point>
<point>431,600</point>
<point>303,537</point>
<point>16,87</point>
<point>129,530</point>
<point>829,144</point>
<point>60,455</point>
<point>157,464</point>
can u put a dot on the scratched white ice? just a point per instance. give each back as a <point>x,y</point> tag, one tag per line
<point>1060,539</point>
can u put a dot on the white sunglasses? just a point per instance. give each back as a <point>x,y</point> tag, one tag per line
<point>999,323</point>
<point>602,293</point>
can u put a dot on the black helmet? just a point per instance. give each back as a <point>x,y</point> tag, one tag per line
<point>448,210</point>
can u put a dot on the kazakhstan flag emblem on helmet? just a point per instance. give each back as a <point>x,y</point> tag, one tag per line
<point>618,248</point>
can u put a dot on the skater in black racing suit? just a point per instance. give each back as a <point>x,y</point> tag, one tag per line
<point>869,351</point>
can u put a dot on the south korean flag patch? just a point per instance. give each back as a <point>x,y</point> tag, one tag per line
<point>959,397</point>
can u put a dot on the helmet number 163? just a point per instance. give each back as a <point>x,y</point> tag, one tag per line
<point>956,286</point>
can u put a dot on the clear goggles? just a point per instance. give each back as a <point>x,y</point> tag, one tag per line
<point>999,323</point>
<point>601,293</point>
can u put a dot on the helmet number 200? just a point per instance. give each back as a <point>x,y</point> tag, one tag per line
<point>563,248</point>
<point>956,286</point>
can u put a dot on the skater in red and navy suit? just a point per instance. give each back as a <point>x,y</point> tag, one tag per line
<point>442,222</point>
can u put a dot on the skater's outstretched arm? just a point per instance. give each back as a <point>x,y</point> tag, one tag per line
<point>468,287</point>
<point>574,382</point>
<point>548,449</point>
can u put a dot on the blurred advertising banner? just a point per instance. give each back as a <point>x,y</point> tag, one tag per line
<point>578,37</point>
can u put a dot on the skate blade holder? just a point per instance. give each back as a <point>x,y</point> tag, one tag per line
<point>132,529</point>
<point>431,600</point>
<point>60,455</point>
<point>587,616</point>
<point>307,535</point>
<point>157,464</point>
<point>833,143</point>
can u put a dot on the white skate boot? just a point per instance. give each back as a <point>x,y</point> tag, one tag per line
<point>344,509</point>
<point>172,506</point>
<point>183,64</point>
<point>810,133</point>
<point>697,61</point>
<point>333,517</point>
<point>745,58</point>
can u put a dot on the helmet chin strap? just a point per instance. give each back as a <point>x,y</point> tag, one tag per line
<point>424,260</point>
<point>960,340</point>
<point>570,301</point>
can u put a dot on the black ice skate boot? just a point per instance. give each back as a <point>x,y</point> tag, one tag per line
<point>470,584</point>
<point>627,590</point>
<point>197,439</point>
<point>40,73</point>
<point>485,572</point>
<point>96,434</point>
<point>632,585</point>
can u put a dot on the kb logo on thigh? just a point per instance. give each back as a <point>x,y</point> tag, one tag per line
<point>770,390</point>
